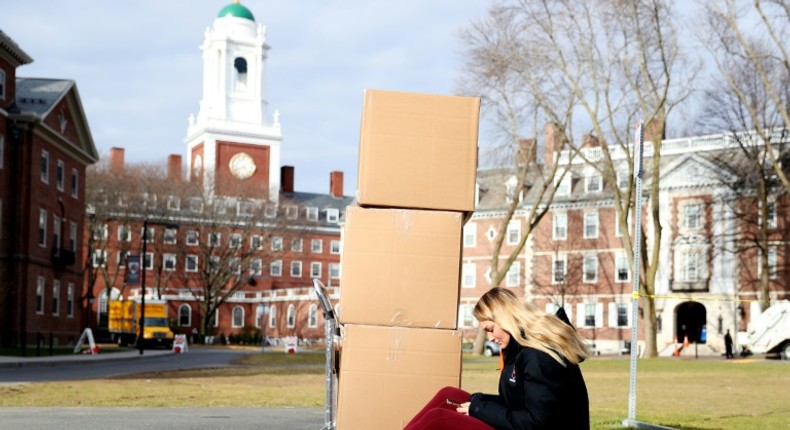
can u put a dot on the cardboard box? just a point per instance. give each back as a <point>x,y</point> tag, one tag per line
<point>418,151</point>
<point>387,374</point>
<point>400,267</point>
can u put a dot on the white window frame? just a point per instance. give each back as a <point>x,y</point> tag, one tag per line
<point>554,260</point>
<point>334,271</point>
<point>214,240</point>
<point>272,317</point>
<point>291,212</point>
<point>173,203</point>
<point>276,268</point>
<point>188,315</point>
<point>772,261</point>
<point>170,236</point>
<point>169,262</point>
<point>583,311</point>
<point>235,240</point>
<point>70,300</point>
<point>614,309</point>
<point>124,233</point>
<point>99,258</point>
<point>470,235</point>
<point>334,247</point>
<point>621,257</point>
<point>563,187</point>
<point>771,218</point>
<point>192,238</point>
<point>56,297</point>
<point>469,275</point>
<point>277,243</point>
<point>559,221</point>
<point>40,285</point>
<point>191,260</point>
<point>316,246</point>
<point>593,183</point>
<point>312,316</point>
<point>75,183</point>
<point>296,269</point>
<point>315,269</point>
<point>256,267</point>
<point>44,166</point>
<point>42,228</point>
<point>333,215</point>
<point>236,314</point>
<point>60,175</point>
<point>622,179</point>
<point>588,223</point>
<point>687,216</point>
<point>297,244</point>
<point>148,261</point>
<point>591,259</point>
<point>256,242</point>
<point>513,232</point>
<point>290,316</point>
<point>73,236</point>
<point>311,213</point>
<point>513,275</point>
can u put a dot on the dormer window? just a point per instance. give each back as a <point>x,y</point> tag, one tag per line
<point>593,183</point>
<point>563,187</point>
<point>511,189</point>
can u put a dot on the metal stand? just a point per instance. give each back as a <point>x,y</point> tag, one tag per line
<point>330,326</point>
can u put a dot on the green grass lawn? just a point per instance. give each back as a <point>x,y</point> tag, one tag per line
<point>687,394</point>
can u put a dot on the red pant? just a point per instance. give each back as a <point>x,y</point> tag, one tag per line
<point>438,415</point>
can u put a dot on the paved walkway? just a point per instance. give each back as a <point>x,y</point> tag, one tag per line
<point>56,360</point>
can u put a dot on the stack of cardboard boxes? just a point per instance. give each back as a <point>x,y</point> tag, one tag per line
<point>401,257</point>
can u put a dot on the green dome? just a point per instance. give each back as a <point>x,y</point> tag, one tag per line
<point>236,10</point>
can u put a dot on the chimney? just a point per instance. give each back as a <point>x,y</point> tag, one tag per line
<point>590,141</point>
<point>336,184</point>
<point>527,151</point>
<point>287,179</point>
<point>174,167</point>
<point>554,142</point>
<point>116,161</point>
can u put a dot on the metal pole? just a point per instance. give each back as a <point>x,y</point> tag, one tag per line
<point>636,243</point>
<point>141,336</point>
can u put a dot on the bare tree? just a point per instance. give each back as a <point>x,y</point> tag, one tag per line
<point>591,66</point>
<point>751,40</point>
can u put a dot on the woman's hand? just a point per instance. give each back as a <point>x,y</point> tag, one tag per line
<point>463,409</point>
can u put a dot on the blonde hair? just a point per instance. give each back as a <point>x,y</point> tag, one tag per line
<point>531,327</point>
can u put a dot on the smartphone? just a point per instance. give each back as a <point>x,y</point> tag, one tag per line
<point>454,403</point>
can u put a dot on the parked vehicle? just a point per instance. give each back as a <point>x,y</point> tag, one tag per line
<point>124,324</point>
<point>490,348</point>
<point>769,333</point>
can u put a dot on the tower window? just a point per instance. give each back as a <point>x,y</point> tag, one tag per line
<point>240,64</point>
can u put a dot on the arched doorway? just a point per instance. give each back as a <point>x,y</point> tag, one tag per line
<point>690,318</point>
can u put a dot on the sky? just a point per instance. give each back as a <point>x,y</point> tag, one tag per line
<point>139,71</point>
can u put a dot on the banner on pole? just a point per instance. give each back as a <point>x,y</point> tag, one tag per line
<point>133,270</point>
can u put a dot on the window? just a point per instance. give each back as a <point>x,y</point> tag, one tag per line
<point>44,166</point>
<point>60,175</point>
<point>149,234</point>
<point>276,268</point>
<point>296,269</point>
<point>99,257</point>
<point>272,316</point>
<point>238,317</point>
<point>191,263</point>
<point>691,266</point>
<point>291,212</point>
<point>590,268</point>
<point>560,231</point>
<point>470,235</point>
<point>466,317</point>
<point>334,271</point>
<point>277,244</point>
<point>2,84</point>
<point>622,179</point>
<point>220,207</point>
<point>214,239</point>
<point>56,234</point>
<point>317,246</point>
<point>623,271</point>
<point>559,269</point>
<point>296,245</point>
<point>256,267</point>
<point>589,314</point>
<point>618,315</point>
<point>124,233</point>
<point>469,275</point>
<point>513,232</point>
<point>40,295</point>
<point>73,237</point>
<point>170,236</point>
<point>184,315</point>
<point>771,263</point>
<point>334,247</point>
<point>246,209</point>
<point>214,263</point>
<point>148,261</point>
<point>173,203</point>
<point>75,182</point>
<point>235,240</point>
<point>593,183</point>
<point>312,214</point>
<point>691,216</point>
<point>513,275</point>
<point>56,297</point>
<point>70,300</point>
<point>270,211</point>
<point>196,205</point>
<point>291,316</point>
<point>312,316</point>
<point>771,217</point>
<point>256,242</point>
<point>169,262</point>
<point>42,228</point>
<point>332,215</point>
<point>192,237</point>
<point>591,225</point>
<point>100,232</point>
<point>315,269</point>
<point>563,188</point>
<point>259,313</point>
<point>234,264</point>
<point>122,257</point>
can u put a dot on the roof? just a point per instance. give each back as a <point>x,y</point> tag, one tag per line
<point>236,10</point>
<point>40,95</point>
<point>9,46</point>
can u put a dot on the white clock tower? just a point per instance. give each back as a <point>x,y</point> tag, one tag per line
<point>232,146</point>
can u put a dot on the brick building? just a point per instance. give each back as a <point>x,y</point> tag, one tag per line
<point>45,146</point>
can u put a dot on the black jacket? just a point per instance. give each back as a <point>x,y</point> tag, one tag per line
<point>535,392</point>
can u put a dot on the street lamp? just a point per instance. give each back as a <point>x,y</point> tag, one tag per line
<point>141,336</point>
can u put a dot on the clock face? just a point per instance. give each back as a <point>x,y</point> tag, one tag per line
<point>197,166</point>
<point>242,165</point>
